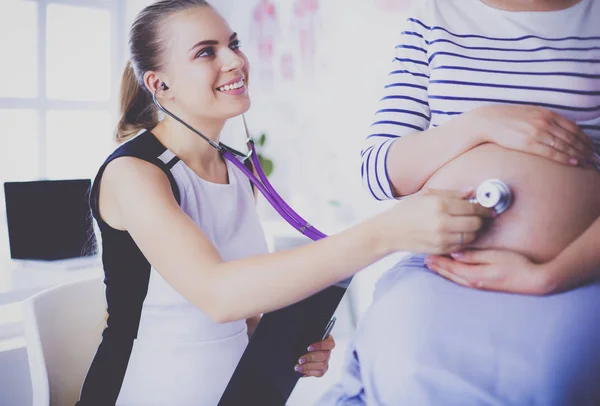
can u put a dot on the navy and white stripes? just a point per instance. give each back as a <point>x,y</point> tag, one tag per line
<point>447,63</point>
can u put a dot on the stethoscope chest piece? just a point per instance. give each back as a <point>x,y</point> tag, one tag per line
<point>493,193</point>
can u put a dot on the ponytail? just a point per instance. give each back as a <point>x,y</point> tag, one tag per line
<point>147,51</point>
<point>136,107</point>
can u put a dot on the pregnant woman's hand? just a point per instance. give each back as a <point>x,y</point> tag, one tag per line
<point>433,222</point>
<point>497,270</point>
<point>533,130</point>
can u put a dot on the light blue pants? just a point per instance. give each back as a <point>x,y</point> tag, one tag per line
<point>427,341</point>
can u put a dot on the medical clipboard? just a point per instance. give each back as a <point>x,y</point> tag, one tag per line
<point>265,374</point>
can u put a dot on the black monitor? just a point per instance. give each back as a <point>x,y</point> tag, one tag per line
<point>49,220</point>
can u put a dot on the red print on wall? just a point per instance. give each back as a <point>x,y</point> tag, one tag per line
<point>287,66</point>
<point>305,22</point>
<point>264,30</point>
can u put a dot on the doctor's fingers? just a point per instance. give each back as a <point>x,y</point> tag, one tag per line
<point>448,193</point>
<point>460,239</point>
<point>315,366</point>
<point>457,241</point>
<point>464,224</point>
<point>316,356</point>
<point>458,207</point>
<point>316,370</point>
<point>315,374</point>
<point>325,344</point>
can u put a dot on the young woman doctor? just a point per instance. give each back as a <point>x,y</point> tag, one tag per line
<point>184,255</point>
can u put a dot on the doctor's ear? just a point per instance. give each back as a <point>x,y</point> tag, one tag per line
<point>153,82</point>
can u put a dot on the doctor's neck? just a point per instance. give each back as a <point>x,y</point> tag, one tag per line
<point>187,145</point>
<point>531,5</point>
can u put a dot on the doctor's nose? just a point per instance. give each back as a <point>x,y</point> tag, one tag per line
<point>232,61</point>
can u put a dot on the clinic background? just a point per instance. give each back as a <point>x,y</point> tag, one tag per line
<point>317,68</point>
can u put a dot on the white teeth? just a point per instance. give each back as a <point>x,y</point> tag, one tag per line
<point>232,86</point>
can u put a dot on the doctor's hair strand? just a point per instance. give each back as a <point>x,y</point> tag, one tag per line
<point>147,47</point>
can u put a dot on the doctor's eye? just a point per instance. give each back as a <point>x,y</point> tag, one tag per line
<point>205,52</point>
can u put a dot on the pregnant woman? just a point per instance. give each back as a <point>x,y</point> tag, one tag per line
<point>484,89</point>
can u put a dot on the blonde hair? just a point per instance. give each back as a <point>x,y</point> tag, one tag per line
<point>147,48</point>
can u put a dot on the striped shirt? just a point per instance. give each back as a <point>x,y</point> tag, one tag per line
<point>456,55</point>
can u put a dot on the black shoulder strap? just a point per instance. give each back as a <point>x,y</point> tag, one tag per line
<point>146,147</point>
<point>248,163</point>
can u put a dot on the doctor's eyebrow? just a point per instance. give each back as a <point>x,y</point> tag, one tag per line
<point>212,41</point>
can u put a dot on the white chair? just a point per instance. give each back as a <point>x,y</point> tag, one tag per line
<point>63,328</point>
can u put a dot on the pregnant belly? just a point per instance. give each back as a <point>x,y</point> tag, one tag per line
<point>552,203</point>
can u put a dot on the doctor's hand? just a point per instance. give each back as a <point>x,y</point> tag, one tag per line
<point>434,222</point>
<point>496,270</point>
<point>533,130</point>
<point>316,361</point>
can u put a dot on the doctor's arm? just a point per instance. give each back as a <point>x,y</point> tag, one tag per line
<point>142,203</point>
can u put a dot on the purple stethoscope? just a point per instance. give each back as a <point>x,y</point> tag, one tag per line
<point>261,183</point>
<point>492,193</point>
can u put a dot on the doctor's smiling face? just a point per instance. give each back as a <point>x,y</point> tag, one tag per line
<point>203,66</point>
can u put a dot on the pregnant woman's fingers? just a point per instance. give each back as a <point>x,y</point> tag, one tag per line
<point>494,270</point>
<point>569,142</point>
<point>561,146</point>
<point>546,149</point>
<point>472,274</point>
<point>450,276</point>
<point>476,256</point>
<point>573,128</point>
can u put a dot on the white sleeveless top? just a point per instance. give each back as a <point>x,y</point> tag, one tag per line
<point>181,357</point>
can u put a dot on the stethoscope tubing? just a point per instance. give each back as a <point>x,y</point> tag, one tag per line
<point>262,184</point>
